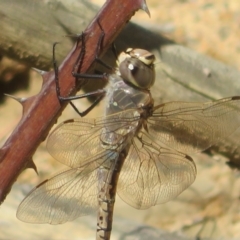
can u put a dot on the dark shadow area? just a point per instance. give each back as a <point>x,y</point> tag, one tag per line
<point>142,38</point>
<point>15,82</point>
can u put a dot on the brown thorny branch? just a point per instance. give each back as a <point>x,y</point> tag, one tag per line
<point>41,111</point>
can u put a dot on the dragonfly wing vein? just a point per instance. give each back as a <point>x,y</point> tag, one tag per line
<point>194,127</point>
<point>78,141</point>
<point>87,147</point>
<point>152,174</point>
<point>63,198</point>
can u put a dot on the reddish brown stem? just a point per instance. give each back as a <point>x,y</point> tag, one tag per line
<point>41,111</point>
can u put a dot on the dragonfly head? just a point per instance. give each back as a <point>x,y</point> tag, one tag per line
<point>136,67</point>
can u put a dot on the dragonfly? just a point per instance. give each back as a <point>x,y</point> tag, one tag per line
<point>138,149</point>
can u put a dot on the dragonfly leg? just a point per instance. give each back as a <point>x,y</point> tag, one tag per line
<point>99,93</point>
<point>79,61</point>
<point>99,47</point>
<point>76,72</point>
<point>77,66</point>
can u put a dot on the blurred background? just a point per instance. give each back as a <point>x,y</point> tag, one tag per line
<point>210,208</point>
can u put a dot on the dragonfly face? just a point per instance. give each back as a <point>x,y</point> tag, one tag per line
<point>129,87</point>
<point>158,138</point>
<point>136,67</point>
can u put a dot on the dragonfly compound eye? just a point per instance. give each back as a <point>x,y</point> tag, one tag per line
<point>136,67</point>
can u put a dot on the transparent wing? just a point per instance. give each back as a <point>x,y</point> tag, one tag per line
<point>152,174</point>
<point>191,127</point>
<point>63,198</point>
<point>84,145</point>
<point>66,196</point>
<point>76,142</point>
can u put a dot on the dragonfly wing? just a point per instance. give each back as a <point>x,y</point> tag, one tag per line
<point>152,174</point>
<point>63,198</point>
<point>94,148</point>
<point>192,127</point>
<point>77,141</point>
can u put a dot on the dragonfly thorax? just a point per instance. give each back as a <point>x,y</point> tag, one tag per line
<point>121,96</point>
<point>136,67</point>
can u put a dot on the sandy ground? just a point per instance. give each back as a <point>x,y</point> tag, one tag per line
<point>210,207</point>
